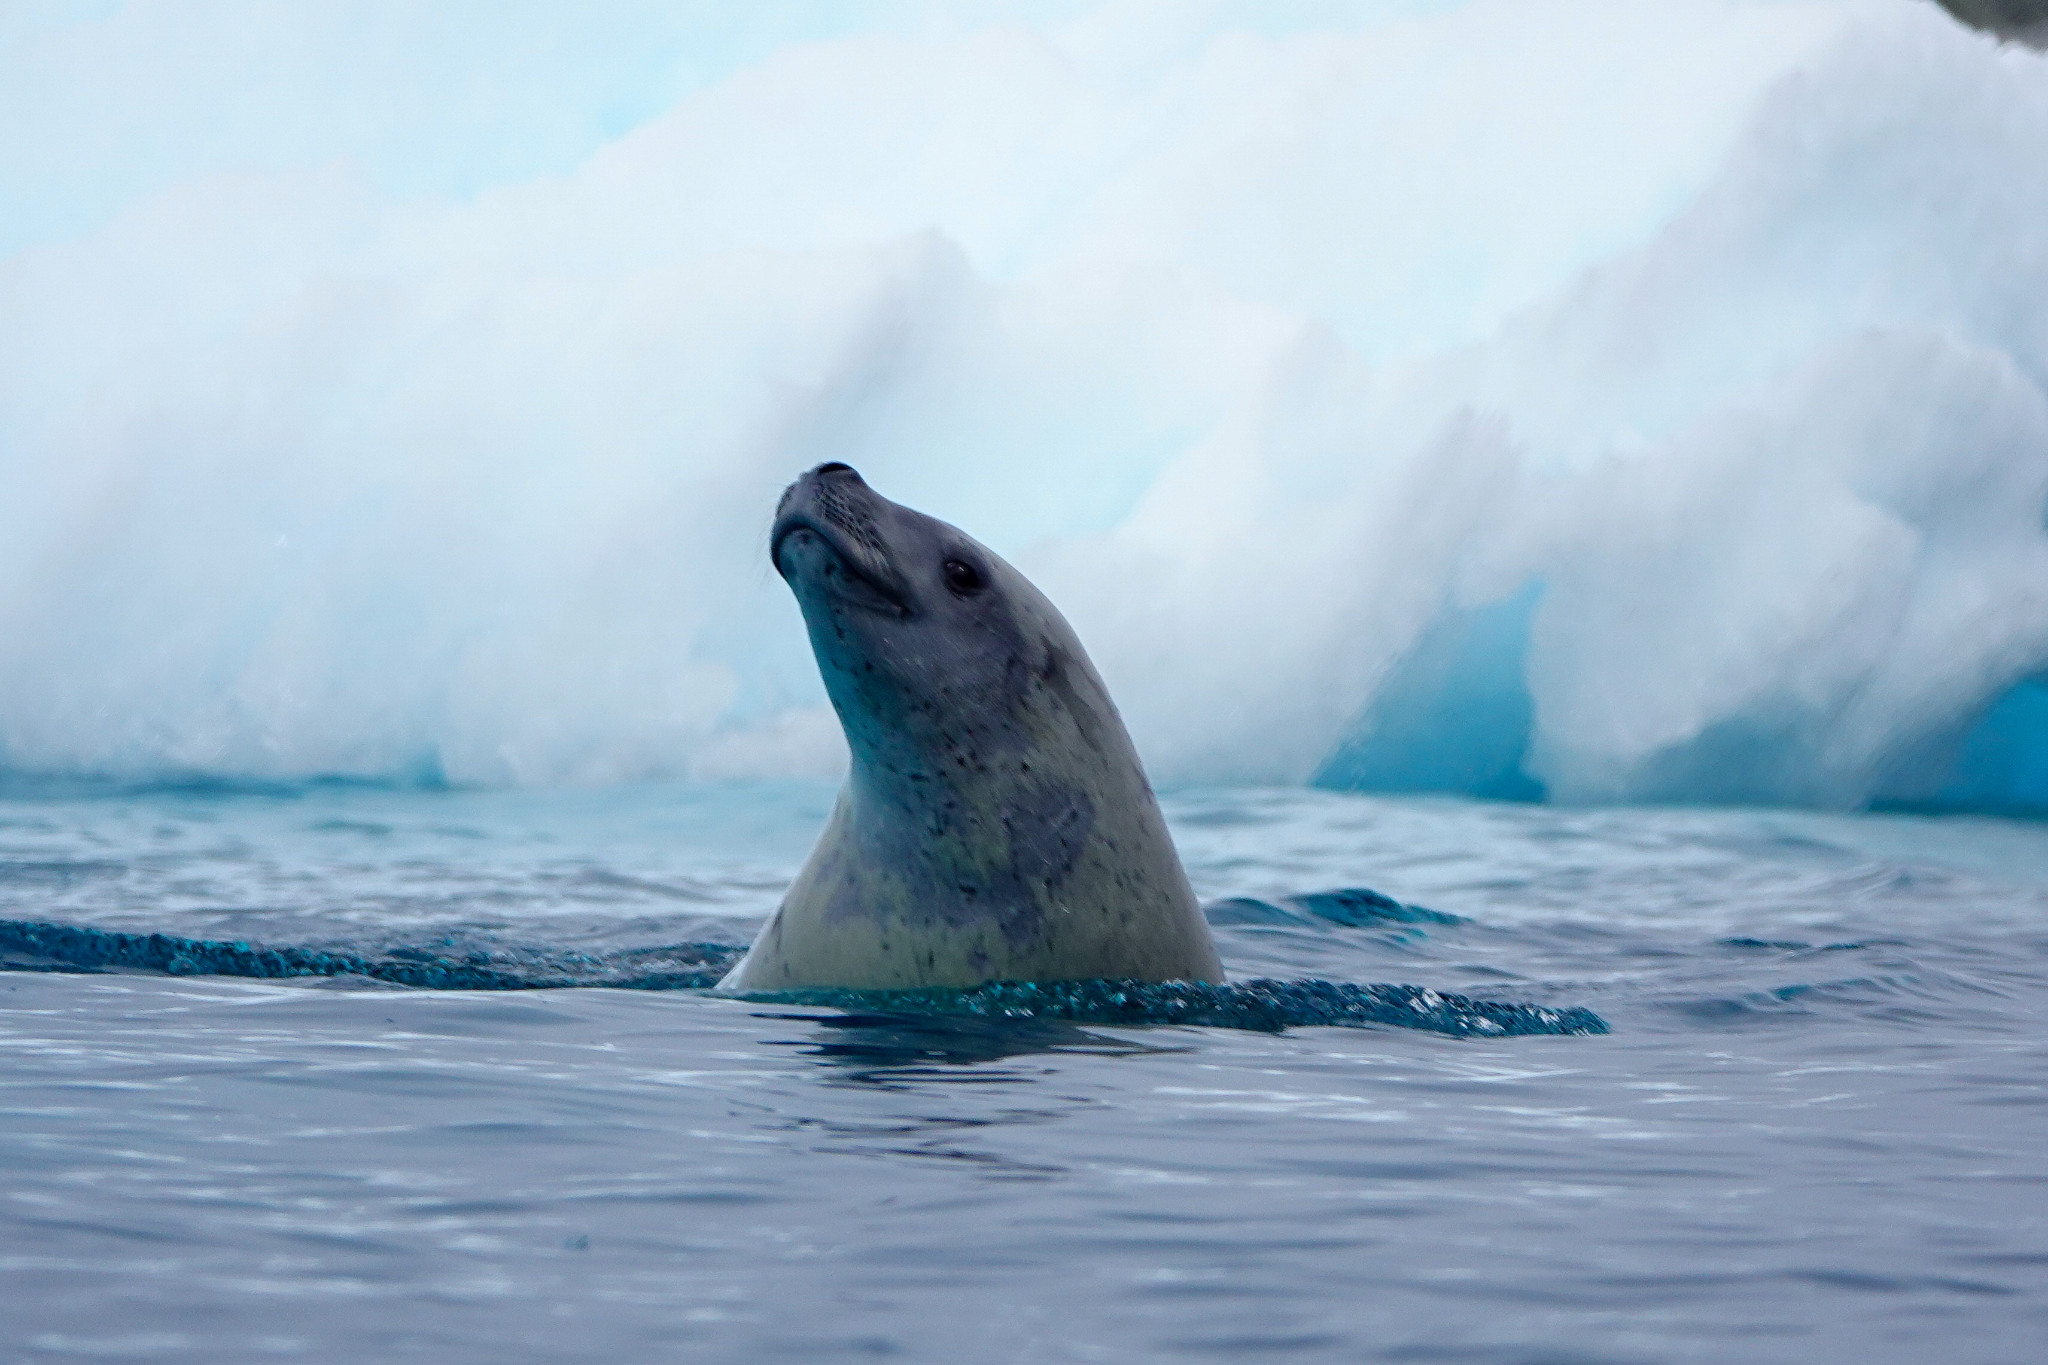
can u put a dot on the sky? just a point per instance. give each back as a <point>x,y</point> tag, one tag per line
<point>109,100</point>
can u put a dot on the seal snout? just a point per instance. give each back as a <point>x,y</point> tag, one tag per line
<point>831,512</point>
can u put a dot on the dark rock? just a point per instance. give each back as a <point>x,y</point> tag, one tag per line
<point>2023,21</point>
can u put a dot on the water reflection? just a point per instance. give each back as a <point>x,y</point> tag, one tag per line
<point>884,1048</point>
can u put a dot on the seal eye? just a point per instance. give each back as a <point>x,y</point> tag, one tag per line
<point>963,577</point>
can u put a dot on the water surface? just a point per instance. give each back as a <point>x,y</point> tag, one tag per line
<point>1816,1131</point>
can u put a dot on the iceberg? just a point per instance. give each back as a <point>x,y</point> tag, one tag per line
<point>1591,402</point>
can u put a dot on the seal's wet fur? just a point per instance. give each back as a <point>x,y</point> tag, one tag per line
<point>995,824</point>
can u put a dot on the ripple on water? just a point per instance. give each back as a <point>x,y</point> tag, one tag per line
<point>1816,1130</point>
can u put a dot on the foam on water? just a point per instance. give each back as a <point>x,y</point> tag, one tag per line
<point>1669,378</point>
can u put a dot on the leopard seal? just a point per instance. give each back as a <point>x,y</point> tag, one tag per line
<point>996,824</point>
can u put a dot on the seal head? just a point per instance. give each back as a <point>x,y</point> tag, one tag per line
<point>995,823</point>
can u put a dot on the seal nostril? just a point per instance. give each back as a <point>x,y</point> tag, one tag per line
<point>835,467</point>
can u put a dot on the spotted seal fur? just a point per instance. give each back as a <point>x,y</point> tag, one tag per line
<point>996,824</point>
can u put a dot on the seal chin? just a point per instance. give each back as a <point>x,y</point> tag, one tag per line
<point>809,555</point>
<point>828,536</point>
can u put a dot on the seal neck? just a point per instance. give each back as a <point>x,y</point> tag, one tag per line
<point>895,772</point>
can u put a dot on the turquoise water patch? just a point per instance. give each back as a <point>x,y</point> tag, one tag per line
<point>2002,764</point>
<point>1456,715</point>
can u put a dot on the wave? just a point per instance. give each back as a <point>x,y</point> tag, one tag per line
<point>1261,1005</point>
<point>1351,907</point>
<point>443,964</point>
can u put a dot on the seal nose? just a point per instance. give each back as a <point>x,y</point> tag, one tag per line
<point>835,467</point>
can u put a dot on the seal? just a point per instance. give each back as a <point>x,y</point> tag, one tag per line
<point>996,824</point>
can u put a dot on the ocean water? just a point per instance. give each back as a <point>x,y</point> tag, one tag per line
<point>1639,407</point>
<point>1817,1130</point>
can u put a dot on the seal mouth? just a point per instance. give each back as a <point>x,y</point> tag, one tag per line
<point>854,581</point>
